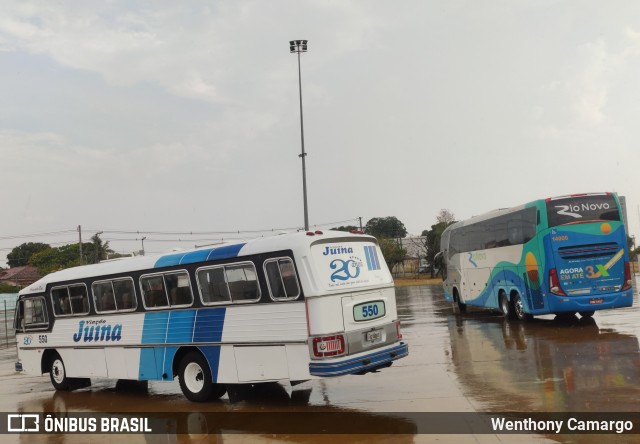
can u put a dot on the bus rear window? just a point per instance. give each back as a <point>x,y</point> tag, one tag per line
<point>582,209</point>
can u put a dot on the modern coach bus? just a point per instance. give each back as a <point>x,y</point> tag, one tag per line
<point>290,307</point>
<point>559,255</point>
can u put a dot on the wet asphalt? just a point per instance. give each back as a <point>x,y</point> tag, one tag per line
<point>471,362</point>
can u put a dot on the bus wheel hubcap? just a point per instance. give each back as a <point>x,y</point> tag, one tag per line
<point>193,377</point>
<point>58,371</point>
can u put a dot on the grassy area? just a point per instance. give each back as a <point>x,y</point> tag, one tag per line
<point>407,282</point>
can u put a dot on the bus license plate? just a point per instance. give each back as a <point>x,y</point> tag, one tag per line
<point>596,301</point>
<point>373,336</point>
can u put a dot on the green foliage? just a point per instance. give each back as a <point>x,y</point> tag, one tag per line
<point>347,228</point>
<point>393,252</point>
<point>21,254</point>
<point>96,250</point>
<point>385,227</point>
<point>6,288</point>
<point>54,259</point>
<point>444,219</point>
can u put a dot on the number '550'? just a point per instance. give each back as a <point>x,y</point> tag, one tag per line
<point>369,310</point>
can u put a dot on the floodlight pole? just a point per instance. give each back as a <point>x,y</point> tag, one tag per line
<point>299,46</point>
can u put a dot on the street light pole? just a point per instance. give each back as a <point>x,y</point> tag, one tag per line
<point>143,244</point>
<point>297,47</point>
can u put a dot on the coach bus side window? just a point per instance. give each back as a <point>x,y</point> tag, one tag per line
<point>61,301</point>
<point>153,291</point>
<point>228,283</point>
<point>281,278</point>
<point>178,288</point>
<point>79,299</point>
<point>125,294</point>
<point>103,296</point>
<point>213,286</point>
<point>243,282</point>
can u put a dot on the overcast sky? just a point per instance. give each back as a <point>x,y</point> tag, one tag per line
<point>184,116</point>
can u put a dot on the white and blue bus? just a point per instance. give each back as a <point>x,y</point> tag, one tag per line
<point>292,307</point>
<point>559,255</point>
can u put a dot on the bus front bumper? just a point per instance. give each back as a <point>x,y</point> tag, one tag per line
<point>363,363</point>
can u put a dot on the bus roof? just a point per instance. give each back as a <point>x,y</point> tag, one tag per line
<point>297,242</point>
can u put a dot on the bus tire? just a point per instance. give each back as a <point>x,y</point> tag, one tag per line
<point>462,308</point>
<point>505,306</point>
<point>58,374</point>
<point>518,308</point>
<point>586,314</point>
<point>195,379</point>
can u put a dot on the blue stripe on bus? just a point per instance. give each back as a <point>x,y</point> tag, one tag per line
<point>372,258</point>
<point>367,255</point>
<point>212,354</point>
<point>208,254</point>
<point>209,324</point>
<point>369,361</point>
<point>154,328</point>
<point>172,327</point>
<point>180,326</point>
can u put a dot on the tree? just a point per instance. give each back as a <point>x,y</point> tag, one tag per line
<point>21,254</point>
<point>347,228</point>
<point>444,219</point>
<point>393,253</point>
<point>445,216</point>
<point>385,227</point>
<point>54,259</point>
<point>96,250</point>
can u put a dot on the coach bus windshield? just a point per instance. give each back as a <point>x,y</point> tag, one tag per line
<point>582,209</point>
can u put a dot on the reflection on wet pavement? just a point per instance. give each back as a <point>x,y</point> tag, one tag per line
<point>457,363</point>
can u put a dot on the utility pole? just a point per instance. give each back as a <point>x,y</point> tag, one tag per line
<point>360,223</point>
<point>80,240</point>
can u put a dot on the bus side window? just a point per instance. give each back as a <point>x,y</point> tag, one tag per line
<point>154,292</point>
<point>124,294</point>
<point>243,282</point>
<point>79,299</point>
<point>281,277</point>
<point>61,302</point>
<point>213,286</point>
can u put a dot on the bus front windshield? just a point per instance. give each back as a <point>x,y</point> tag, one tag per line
<point>582,209</point>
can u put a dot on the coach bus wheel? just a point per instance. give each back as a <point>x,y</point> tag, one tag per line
<point>462,308</point>
<point>518,308</point>
<point>505,307</point>
<point>586,314</point>
<point>195,379</point>
<point>58,374</point>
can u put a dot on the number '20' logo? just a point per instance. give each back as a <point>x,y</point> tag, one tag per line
<point>344,270</point>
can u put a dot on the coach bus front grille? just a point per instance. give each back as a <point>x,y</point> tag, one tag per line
<point>588,250</point>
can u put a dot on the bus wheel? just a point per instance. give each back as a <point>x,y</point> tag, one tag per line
<point>462,308</point>
<point>505,307</point>
<point>58,374</point>
<point>518,308</point>
<point>586,314</point>
<point>195,379</point>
